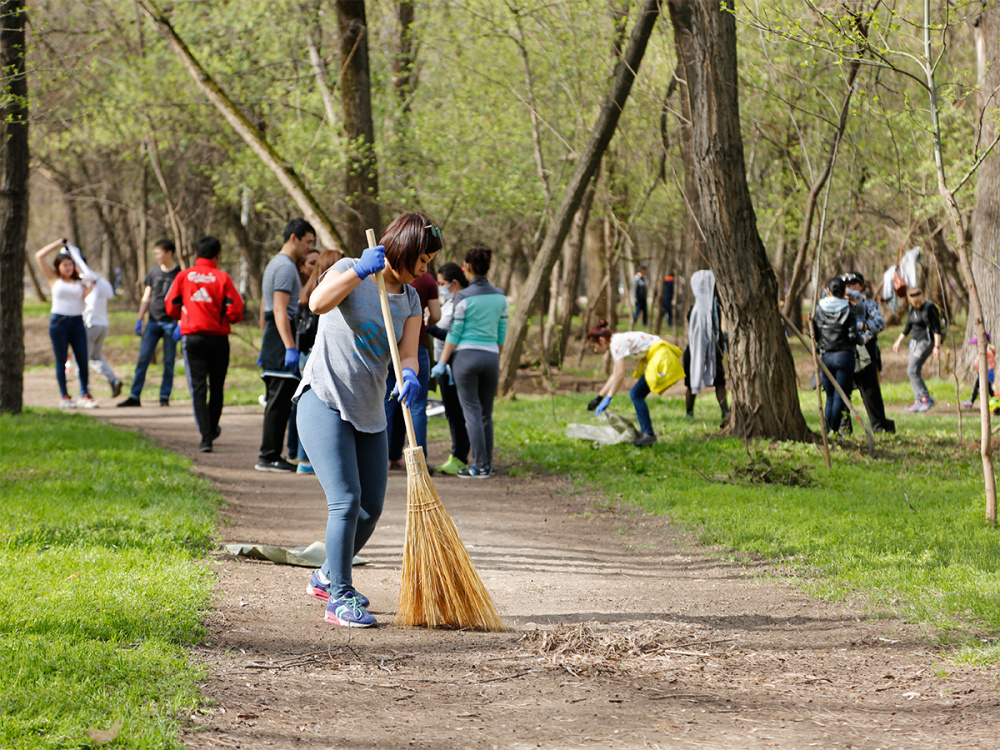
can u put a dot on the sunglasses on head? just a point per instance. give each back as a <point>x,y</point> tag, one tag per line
<point>434,231</point>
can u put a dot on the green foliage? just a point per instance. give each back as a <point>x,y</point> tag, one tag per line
<point>101,535</point>
<point>904,528</point>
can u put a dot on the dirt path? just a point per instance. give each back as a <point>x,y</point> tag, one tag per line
<point>625,634</point>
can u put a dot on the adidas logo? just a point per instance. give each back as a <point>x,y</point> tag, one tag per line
<point>202,295</point>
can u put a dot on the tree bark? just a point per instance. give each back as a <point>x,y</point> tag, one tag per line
<point>986,219</point>
<point>573,254</point>
<point>590,159</point>
<point>14,158</point>
<point>361,179</point>
<point>765,396</point>
<point>285,174</point>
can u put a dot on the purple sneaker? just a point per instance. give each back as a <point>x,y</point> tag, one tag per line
<point>348,612</point>
<point>320,590</point>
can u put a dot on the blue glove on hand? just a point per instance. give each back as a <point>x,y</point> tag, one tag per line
<point>291,358</point>
<point>439,369</point>
<point>372,260</point>
<point>138,327</point>
<point>411,386</point>
<point>603,405</point>
<point>176,334</point>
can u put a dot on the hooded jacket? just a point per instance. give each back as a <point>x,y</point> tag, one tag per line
<point>835,325</point>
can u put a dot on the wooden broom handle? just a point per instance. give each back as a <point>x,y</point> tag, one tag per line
<point>383,296</point>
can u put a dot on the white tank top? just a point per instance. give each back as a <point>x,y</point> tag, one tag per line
<point>67,297</point>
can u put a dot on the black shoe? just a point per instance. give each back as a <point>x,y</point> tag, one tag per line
<point>130,402</point>
<point>644,439</point>
<point>279,466</point>
<point>116,389</point>
<point>217,432</point>
<point>205,446</point>
<point>164,402</point>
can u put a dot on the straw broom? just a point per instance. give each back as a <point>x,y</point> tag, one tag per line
<point>440,587</point>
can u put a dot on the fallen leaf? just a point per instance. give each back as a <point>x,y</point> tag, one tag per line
<point>103,737</point>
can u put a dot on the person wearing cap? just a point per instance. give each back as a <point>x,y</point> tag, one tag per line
<point>867,379</point>
<point>925,324</point>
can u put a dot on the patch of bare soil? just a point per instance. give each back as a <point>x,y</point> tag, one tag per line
<point>624,632</point>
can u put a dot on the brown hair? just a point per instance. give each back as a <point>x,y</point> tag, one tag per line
<point>326,259</point>
<point>599,332</point>
<point>409,236</point>
<point>64,255</point>
<point>914,291</point>
<point>478,260</point>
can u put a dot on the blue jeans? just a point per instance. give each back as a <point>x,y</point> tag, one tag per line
<point>353,472</point>
<point>68,331</point>
<point>841,364</point>
<point>638,395</point>
<point>155,330</point>
<point>418,409</point>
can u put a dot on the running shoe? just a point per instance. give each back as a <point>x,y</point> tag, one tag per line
<point>304,467</point>
<point>347,611</point>
<point>116,389</point>
<point>86,401</point>
<point>473,472</point>
<point>925,404</point>
<point>644,439</point>
<point>452,466</point>
<point>67,402</point>
<point>316,588</point>
<point>279,466</point>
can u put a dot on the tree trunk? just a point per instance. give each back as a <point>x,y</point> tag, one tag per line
<point>573,253</point>
<point>14,158</point>
<point>361,180</point>
<point>285,174</point>
<point>986,219</point>
<point>590,159</point>
<point>765,397</point>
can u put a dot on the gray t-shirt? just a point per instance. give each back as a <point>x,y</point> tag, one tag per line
<point>350,360</point>
<point>281,275</point>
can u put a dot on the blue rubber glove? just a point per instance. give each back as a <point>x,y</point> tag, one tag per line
<point>411,386</point>
<point>603,405</point>
<point>138,327</point>
<point>372,260</point>
<point>291,358</point>
<point>176,334</point>
<point>439,369</point>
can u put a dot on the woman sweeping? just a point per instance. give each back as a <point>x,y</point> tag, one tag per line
<point>340,415</point>
<point>66,327</point>
<point>634,344</point>
<point>475,339</point>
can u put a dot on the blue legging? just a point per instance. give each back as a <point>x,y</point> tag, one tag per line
<point>68,331</point>
<point>353,472</point>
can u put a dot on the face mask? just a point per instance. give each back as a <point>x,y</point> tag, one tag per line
<point>444,293</point>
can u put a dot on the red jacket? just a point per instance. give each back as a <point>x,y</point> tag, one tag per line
<point>204,299</point>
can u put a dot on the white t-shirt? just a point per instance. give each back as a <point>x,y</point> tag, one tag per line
<point>95,313</point>
<point>631,344</point>
<point>67,297</point>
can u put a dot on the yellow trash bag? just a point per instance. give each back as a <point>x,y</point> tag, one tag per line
<point>661,366</point>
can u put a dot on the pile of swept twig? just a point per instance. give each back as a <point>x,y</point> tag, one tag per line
<point>583,650</point>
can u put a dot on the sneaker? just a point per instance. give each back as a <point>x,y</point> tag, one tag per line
<point>316,588</point>
<point>644,438</point>
<point>86,401</point>
<point>279,466</point>
<point>349,612</point>
<point>164,402</point>
<point>304,467</point>
<point>689,415</point>
<point>116,389</point>
<point>473,472</point>
<point>205,446</point>
<point>925,404</point>
<point>452,466</point>
<point>67,402</point>
<point>130,402</point>
<point>216,432</point>
<point>967,405</point>
<point>915,406</point>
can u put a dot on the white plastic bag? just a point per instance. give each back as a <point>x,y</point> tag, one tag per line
<point>617,430</point>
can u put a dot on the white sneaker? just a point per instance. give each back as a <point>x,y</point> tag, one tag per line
<point>67,403</point>
<point>86,401</point>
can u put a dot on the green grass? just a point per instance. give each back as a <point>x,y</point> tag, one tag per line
<point>101,535</point>
<point>850,532</point>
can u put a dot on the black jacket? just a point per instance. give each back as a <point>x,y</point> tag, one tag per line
<point>835,330</point>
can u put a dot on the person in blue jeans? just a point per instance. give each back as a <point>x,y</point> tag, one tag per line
<point>341,421</point>
<point>836,333</point>
<point>160,326</point>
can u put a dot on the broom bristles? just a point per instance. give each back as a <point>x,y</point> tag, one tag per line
<point>440,587</point>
